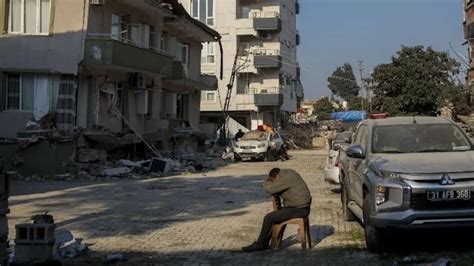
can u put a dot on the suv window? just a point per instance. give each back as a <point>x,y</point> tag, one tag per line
<point>359,139</point>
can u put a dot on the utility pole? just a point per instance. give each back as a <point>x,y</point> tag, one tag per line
<point>362,83</point>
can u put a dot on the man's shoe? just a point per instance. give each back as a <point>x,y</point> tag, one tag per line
<point>255,247</point>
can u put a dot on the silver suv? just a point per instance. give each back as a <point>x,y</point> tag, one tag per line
<point>407,173</point>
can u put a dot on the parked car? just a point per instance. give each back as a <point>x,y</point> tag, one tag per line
<point>331,170</point>
<point>407,173</point>
<point>259,145</point>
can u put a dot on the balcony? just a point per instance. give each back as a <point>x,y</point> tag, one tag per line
<point>268,97</point>
<point>266,21</point>
<point>267,58</point>
<point>180,81</point>
<point>263,96</point>
<point>125,56</point>
<point>254,22</point>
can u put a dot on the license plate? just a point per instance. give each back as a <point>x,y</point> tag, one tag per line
<point>447,195</point>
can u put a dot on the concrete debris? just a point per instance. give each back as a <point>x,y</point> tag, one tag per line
<point>117,171</point>
<point>114,258</point>
<point>129,163</point>
<point>91,155</point>
<point>299,136</point>
<point>66,246</point>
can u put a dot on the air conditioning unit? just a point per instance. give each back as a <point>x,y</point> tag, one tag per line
<point>265,35</point>
<point>136,80</point>
<point>97,2</point>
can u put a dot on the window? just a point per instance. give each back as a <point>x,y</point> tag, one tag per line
<point>152,38</point>
<point>203,10</point>
<point>164,42</point>
<point>139,35</point>
<point>244,11</point>
<point>21,92</point>
<point>183,56</point>
<point>208,96</point>
<point>208,54</point>
<point>243,84</point>
<point>168,106</point>
<point>29,16</point>
<point>119,27</point>
<point>361,134</point>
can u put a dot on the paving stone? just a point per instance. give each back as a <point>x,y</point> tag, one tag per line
<point>190,220</point>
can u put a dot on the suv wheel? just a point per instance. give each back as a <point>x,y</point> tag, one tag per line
<point>346,212</point>
<point>374,237</point>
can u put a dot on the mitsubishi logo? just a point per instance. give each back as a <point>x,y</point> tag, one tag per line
<point>446,180</point>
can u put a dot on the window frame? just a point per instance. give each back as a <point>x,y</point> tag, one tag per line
<point>20,92</point>
<point>205,53</point>
<point>213,15</point>
<point>22,19</point>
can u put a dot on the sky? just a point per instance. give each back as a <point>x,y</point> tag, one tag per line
<point>334,32</point>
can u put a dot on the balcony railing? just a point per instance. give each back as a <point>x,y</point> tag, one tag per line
<point>261,90</point>
<point>265,14</point>
<point>124,38</point>
<point>104,50</point>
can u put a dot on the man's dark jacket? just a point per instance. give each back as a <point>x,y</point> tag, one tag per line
<point>291,188</point>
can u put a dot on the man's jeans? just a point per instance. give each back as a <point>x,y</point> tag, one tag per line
<point>276,217</point>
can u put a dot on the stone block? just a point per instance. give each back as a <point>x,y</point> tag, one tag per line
<point>35,233</point>
<point>33,253</point>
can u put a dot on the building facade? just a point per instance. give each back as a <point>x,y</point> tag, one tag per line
<point>122,65</point>
<point>263,36</point>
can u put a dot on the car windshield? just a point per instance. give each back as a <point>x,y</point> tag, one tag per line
<point>419,138</point>
<point>254,135</point>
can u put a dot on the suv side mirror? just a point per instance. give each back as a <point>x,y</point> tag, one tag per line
<point>356,151</point>
<point>348,140</point>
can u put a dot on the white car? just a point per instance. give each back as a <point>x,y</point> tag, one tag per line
<point>332,171</point>
<point>260,146</point>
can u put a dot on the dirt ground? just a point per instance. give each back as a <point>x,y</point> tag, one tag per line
<point>205,218</point>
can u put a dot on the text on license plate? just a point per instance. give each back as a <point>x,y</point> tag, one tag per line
<point>442,195</point>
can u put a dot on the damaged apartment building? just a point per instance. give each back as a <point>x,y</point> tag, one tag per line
<point>264,36</point>
<point>115,66</point>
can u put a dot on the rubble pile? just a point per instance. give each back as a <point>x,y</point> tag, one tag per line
<point>467,124</point>
<point>299,136</point>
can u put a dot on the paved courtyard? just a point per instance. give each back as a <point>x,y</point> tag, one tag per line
<point>193,219</point>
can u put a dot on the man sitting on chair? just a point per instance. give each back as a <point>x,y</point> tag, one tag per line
<point>290,186</point>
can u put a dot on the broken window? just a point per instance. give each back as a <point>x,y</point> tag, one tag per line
<point>42,94</point>
<point>29,16</point>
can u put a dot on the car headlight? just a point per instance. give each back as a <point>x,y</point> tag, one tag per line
<point>236,146</point>
<point>381,195</point>
<point>392,176</point>
<point>261,145</point>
